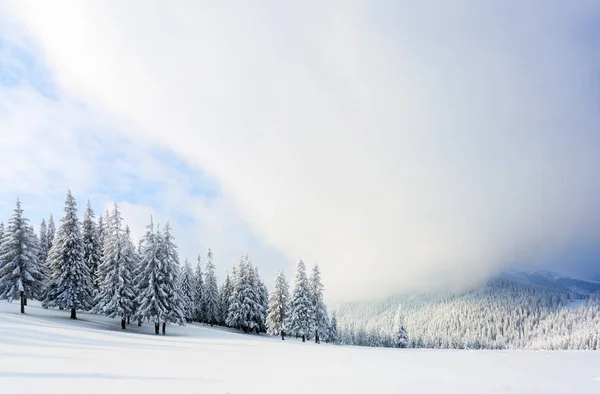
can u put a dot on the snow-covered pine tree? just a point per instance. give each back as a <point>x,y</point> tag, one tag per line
<point>170,286</point>
<point>210,304</point>
<point>151,298</point>
<point>301,316</point>
<point>20,274</point>
<point>226,292</point>
<point>333,331</point>
<point>71,284</point>
<point>243,302</point>
<point>187,290</point>
<point>198,291</point>
<point>278,304</point>
<point>401,335</point>
<point>91,247</point>
<point>320,312</point>
<point>115,293</point>
<point>132,260</point>
<point>262,301</point>
<point>100,239</point>
<point>51,232</point>
<point>1,231</point>
<point>43,238</point>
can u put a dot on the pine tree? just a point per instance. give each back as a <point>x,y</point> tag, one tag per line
<point>278,304</point>
<point>198,291</point>
<point>91,247</point>
<point>210,304</point>
<point>100,240</point>
<point>333,331</point>
<point>20,275</point>
<point>320,312</point>
<point>71,284</point>
<point>243,303</point>
<point>43,242</point>
<point>401,335</point>
<point>51,232</point>
<point>262,301</point>
<point>1,231</point>
<point>226,292</point>
<point>170,274</point>
<point>115,293</point>
<point>151,297</point>
<point>301,317</point>
<point>187,290</point>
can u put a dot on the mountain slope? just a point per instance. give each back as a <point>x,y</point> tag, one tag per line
<point>513,310</point>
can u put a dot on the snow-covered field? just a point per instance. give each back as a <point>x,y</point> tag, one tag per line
<point>46,352</point>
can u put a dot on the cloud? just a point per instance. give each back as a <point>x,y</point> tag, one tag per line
<point>402,146</point>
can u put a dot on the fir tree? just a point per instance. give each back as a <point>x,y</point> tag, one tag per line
<point>262,301</point>
<point>320,312</point>
<point>198,291</point>
<point>51,234</point>
<point>187,290</point>
<point>226,292</point>
<point>20,275</point>
<point>71,284</point>
<point>43,243</point>
<point>278,304</point>
<point>210,304</point>
<point>170,274</point>
<point>91,246</point>
<point>151,297</point>
<point>333,332</point>
<point>1,231</point>
<point>100,239</point>
<point>115,293</point>
<point>401,335</point>
<point>301,317</point>
<point>243,303</point>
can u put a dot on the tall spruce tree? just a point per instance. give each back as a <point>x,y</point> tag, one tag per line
<point>320,312</point>
<point>210,304</point>
<point>243,304</point>
<point>43,244</point>
<point>151,297</point>
<point>187,290</point>
<point>51,234</point>
<point>333,331</point>
<point>20,274</point>
<point>198,291</point>
<point>301,317</point>
<point>70,284</point>
<point>226,292</point>
<point>401,338</point>
<point>1,231</point>
<point>115,293</point>
<point>91,246</point>
<point>170,273</point>
<point>278,306</point>
<point>262,301</point>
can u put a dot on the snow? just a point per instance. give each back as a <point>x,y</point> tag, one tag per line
<point>46,352</point>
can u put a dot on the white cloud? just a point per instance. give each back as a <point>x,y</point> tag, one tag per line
<point>424,145</point>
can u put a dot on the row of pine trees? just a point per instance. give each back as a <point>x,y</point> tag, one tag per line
<point>93,265</point>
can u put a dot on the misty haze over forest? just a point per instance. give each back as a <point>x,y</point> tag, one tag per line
<point>402,146</point>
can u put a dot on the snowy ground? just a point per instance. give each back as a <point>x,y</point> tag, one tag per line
<point>45,352</point>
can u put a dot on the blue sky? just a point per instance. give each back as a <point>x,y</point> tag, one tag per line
<point>402,145</point>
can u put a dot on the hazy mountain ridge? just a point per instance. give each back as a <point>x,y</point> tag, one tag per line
<point>512,310</point>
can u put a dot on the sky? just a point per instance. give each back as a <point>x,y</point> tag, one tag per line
<point>404,146</point>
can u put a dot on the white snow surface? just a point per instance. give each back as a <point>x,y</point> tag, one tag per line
<point>44,351</point>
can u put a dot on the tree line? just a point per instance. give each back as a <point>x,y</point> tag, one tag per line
<point>93,265</point>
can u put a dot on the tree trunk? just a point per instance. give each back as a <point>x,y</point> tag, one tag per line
<point>25,295</point>
<point>303,338</point>
<point>156,328</point>
<point>22,303</point>
<point>282,335</point>
<point>128,320</point>
<point>139,322</point>
<point>317,339</point>
<point>73,313</point>
<point>164,328</point>
<point>123,323</point>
